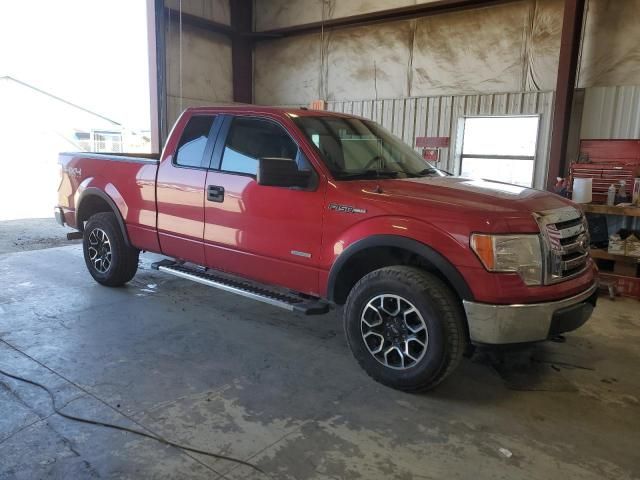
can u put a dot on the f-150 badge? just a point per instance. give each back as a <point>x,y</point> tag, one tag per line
<point>345,208</point>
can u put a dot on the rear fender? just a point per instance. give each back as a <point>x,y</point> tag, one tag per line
<point>111,196</point>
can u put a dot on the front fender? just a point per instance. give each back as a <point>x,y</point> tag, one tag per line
<point>440,248</point>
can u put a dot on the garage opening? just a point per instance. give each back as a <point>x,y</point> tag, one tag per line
<point>500,148</point>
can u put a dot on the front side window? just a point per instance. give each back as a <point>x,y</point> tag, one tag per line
<point>250,139</point>
<point>353,149</point>
<point>193,141</point>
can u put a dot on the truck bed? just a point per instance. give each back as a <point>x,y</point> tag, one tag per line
<point>117,157</point>
<point>127,180</point>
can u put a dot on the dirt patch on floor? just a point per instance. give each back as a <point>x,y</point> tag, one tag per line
<point>32,234</point>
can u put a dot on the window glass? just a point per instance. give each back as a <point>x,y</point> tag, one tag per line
<point>354,149</point>
<point>500,148</point>
<point>517,172</point>
<point>193,141</point>
<point>250,139</point>
<point>500,135</point>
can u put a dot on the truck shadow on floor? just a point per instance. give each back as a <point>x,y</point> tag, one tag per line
<point>538,367</point>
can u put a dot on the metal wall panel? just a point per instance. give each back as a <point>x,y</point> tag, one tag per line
<point>611,113</point>
<point>413,117</point>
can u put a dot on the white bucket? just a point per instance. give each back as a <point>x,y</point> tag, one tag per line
<point>582,190</point>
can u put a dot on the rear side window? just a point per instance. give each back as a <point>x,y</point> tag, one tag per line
<point>250,139</point>
<point>193,141</point>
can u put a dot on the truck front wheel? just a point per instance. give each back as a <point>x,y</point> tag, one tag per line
<point>109,260</point>
<point>405,327</point>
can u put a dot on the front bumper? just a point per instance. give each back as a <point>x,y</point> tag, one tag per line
<point>522,323</point>
<point>59,214</point>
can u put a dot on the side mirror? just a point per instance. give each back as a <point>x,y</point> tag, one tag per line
<point>282,172</point>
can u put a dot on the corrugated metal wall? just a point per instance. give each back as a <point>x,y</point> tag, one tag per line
<point>413,117</point>
<point>611,112</point>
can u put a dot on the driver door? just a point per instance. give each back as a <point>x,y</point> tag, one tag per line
<point>266,233</point>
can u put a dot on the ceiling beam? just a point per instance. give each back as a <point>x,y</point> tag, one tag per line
<point>389,15</point>
<point>199,22</point>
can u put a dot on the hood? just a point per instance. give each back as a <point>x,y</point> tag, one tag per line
<point>473,195</point>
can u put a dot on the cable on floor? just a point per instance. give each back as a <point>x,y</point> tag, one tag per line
<point>157,438</point>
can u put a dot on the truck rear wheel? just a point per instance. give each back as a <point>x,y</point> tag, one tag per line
<point>109,260</point>
<point>405,327</point>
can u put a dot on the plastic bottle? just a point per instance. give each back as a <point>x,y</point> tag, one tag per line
<point>582,190</point>
<point>621,197</point>
<point>611,194</point>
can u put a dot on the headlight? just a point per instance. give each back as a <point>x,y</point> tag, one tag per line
<point>520,254</point>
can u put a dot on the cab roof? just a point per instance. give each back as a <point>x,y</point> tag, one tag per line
<point>248,108</point>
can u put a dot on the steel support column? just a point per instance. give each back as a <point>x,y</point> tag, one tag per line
<point>242,50</point>
<point>157,73</point>
<point>565,86</point>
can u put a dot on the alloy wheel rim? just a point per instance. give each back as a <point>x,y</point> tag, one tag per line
<point>100,250</point>
<point>394,331</point>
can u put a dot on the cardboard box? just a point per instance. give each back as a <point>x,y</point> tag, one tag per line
<point>616,245</point>
<point>635,194</point>
<point>632,246</point>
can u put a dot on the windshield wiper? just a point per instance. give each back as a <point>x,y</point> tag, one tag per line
<point>364,174</point>
<point>427,172</point>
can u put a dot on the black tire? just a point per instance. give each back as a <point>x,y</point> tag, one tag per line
<point>440,312</point>
<point>122,261</point>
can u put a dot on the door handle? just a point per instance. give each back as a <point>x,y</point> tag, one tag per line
<point>215,193</point>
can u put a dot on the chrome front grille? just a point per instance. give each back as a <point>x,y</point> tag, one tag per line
<point>566,243</point>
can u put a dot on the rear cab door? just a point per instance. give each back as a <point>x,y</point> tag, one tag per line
<point>269,234</point>
<point>180,186</point>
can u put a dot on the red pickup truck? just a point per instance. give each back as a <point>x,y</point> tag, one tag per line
<point>307,210</point>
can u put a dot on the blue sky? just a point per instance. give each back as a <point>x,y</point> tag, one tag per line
<point>90,52</point>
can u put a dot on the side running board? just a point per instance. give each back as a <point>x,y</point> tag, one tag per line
<point>283,299</point>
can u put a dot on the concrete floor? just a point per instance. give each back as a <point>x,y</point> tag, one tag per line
<point>32,234</point>
<point>230,375</point>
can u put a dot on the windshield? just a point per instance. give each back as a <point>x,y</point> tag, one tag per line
<point>354,149</point>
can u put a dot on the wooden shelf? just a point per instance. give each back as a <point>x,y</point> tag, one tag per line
<point>604,255</point>
<point>611,210</point>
